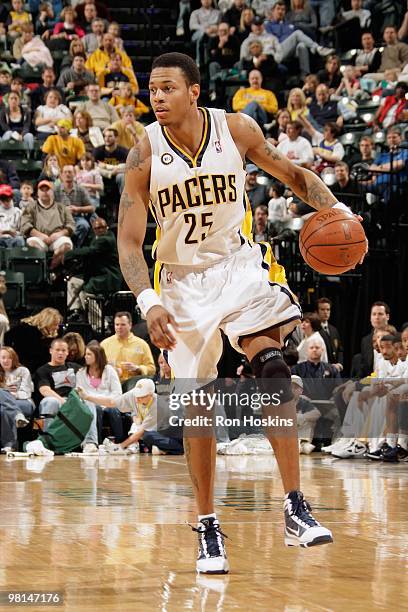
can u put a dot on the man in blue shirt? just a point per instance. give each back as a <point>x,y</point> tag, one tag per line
<point>293,42</point>
<point>394,160</point>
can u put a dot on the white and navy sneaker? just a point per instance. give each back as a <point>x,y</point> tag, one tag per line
<point>212,558</point>
<point>301,529</point>
<point>355,449</point>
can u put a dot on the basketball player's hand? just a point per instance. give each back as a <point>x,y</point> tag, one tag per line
<point>158,321</point>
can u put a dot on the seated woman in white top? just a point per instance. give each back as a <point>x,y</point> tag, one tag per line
<point>100,380</point>
<point>49,113</point>
<point>310,328</point>
<point>17,382</point>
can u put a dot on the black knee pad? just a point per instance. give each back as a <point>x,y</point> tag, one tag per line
<point>272,373</point>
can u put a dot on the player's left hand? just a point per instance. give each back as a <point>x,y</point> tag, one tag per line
<point>161,326</point>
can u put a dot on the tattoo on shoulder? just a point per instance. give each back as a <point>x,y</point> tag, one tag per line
<point>126,202</point>
<point>271,151</point>
<point>134,160</point>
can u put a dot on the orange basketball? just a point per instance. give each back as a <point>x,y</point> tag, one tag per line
<point>332,241</point>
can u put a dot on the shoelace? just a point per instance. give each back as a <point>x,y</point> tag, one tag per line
<point>301,508</point>
<point>210,533</point>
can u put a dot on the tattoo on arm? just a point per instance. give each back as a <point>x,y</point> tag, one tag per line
<point>271,151</point>
<point>315,193</point>
<point>134,160</point>
<point>135,272</point>
<point>126,202</point>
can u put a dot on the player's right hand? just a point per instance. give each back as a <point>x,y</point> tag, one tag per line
<point>158,322</point>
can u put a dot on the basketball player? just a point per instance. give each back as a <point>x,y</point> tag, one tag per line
<point>190,166</point>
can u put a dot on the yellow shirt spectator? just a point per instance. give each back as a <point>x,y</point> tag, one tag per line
<point>104,82</point>
<point>119,103</point>
<point>98,61</point>
<point>128,133</point>
<point>134,350</point>
<point>18,19</point>
<point>263,97</point>
<point>67,149</point>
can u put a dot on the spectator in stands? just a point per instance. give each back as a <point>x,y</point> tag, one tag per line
<point>295,147</point>
<point>45,21</point>
<point>17,382</point>
<point>51,170</point>
<point>311,329</point>
<point>326,146</point>
<point>322,109</point>
<point>102,113</point>
<point>306,416</point>
<point>223,53</point>
<point>10,220</point>
<point>260,228</point>
<point>350,84</point>
<point>270,43</point>
<point>114,74</point>
<point>293,43</point>
<point>325,10</point>
<point>48,82</point>
<point>324,306</point>
<point>31,338</point>
<point>379,317</point>
<point>15,122</point>
<point>77,201</point>
<point>97,269</point>
<point>394,55</point>
<point>17,18</point>
<point>277,208</point>
<point>26,191</point>
<point>55,380</point>
<point>358,12</point>
<point>393,108</point>
<point>366,152</point>
<point>302,17</point>
<point>67,29</point>
<point>89,177</point>
<point>76,47</point>
<point>90,13</point>
<point>76,347</point>
<point>5,81</point>
<point>99,59</point>
<point>368,59</point>
<point>4,320</point>
<point>84,129</point>
<point>331,75</point>
<point>232,16</point>
<point>77,76</point>
<point>255,101</point>
<point>203,22</point>
<point>130,355</point>
<point>30,51</point>
<point>262,62</point>
<point>127,98</point>
<point>8,175</point>
<point>68,149</point>
<point>244,28</point>
<point>99,380</point>
<point>395,160</point>
<point>257,194</point>
<point>47,224</point>
<point>93,40</point>
<point>10,416</point>
<point>114,29</point>
<point>278,131</point>
<point>129,130</point>
<point>296,104</point>
<point>47,115</point>
<point>346,188</point>
<point>111,159</point>
<point>17,85</point>
<point>320,378</point>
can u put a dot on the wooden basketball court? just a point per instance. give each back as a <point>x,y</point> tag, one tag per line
<point>110,534</point>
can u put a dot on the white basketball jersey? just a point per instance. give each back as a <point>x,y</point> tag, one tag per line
<point>199,202</point>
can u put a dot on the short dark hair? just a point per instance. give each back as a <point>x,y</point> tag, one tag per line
<point>324,300</point>
<point>79,55</point>
<point>123,313</point>
<point>379,303</point>
<point>179,60</point>
<point>397,339</point>
<point>388,338</point>
<point>313,319</point>
<point>54,342</point>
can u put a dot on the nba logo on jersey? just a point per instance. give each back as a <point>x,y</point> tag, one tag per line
<point>218,146</point>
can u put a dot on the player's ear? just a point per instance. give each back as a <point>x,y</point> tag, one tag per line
<point>194,92</point>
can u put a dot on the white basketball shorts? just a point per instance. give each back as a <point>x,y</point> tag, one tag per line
<point>234,295</point>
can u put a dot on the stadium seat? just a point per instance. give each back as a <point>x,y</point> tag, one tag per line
<point>31,262</point>
<point>14,298</point>
<point>12,149</point>
<point>28,169</point>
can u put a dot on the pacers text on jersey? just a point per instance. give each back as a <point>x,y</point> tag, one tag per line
<point>203,190</point>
